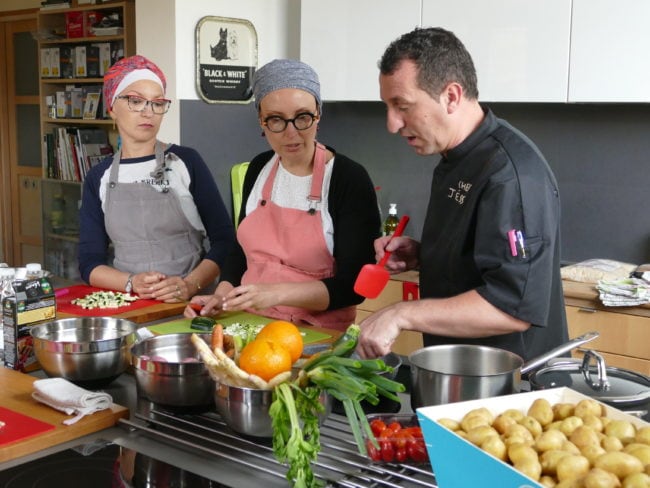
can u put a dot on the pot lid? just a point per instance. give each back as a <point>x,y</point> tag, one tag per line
<point>614,386</point>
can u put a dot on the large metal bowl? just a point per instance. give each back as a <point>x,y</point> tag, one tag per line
<point>169,372</point>
<point>246,410</point>
<point>89,351</point>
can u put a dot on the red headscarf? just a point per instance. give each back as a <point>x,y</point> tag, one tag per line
<point>127,71</point>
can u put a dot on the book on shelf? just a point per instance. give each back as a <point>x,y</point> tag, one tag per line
<point>91,104</point>
<point>70,152</point>
<point>52,5</point>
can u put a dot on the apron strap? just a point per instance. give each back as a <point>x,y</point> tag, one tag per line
<point>318,173</point>
<point>315,196</point>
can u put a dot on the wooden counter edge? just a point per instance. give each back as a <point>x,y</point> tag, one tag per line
<point>585,295</point>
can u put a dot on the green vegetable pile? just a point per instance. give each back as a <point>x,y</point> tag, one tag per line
<point>296,405</point>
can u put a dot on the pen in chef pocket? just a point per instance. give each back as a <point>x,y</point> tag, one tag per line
<point>522,243</point>
<point>512,239</point>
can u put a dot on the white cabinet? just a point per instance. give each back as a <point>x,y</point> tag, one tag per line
<point>343,41</point>
<point>520,47</point>
<point>609,51</point>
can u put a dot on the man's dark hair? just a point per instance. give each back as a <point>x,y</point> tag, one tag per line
<point>439,56</point>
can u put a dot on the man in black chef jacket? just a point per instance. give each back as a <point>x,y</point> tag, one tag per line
<point>489,259</point>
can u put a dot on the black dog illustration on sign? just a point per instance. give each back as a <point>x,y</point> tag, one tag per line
<point>220,50</point>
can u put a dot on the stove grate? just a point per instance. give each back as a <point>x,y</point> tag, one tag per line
<point>339,464</point>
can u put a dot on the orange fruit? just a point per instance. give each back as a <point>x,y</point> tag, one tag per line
<point>264,359</point>
<point>285,334</point>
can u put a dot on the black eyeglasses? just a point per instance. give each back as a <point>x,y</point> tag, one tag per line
<point>302,121</point>
<point>138,104</point>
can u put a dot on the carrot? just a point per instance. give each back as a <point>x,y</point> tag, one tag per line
<point>217,337</point>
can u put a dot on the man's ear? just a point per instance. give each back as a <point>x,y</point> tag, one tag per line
<point>452,95</point>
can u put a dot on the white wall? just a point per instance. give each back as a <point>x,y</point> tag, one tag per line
<point>155,36</point>
<point>165,32</point>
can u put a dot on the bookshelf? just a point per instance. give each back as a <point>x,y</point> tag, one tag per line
<point>73,56</point>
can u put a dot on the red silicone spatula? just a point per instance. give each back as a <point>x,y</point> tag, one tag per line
<point>373,277</point>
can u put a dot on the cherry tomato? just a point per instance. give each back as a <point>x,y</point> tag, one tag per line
<point>417,451</point>
<point>401,439</point>
<point>401,455</point>
<point>415,432</point>
<point>377,426</point>
<point>387,451</point>
<point>395,426</point>
<point>373,452</point>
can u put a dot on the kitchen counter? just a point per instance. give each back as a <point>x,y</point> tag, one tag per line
<point>218,454</point>
<point>624,331</point>
<point>586,295</point>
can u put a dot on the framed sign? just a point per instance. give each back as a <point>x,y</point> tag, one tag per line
<point>226,59</point>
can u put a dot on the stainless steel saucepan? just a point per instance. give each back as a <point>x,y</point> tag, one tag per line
<point>458,372</point>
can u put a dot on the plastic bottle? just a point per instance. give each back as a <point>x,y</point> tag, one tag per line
<point>390,224</point>
<point>6,290</point>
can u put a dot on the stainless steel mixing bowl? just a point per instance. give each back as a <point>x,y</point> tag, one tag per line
<point>246,410</point>
<point>89,351</point>
<point>169,371</point>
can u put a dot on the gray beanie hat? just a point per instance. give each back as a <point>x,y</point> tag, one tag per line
<point>285,73</point>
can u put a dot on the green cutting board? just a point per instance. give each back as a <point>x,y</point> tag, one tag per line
<point>181,326</point>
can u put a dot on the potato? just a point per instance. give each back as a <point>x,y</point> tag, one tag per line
<point>611,444</point>
<point>570,447</point>
<point>484,412</point>
<point>529,467</point>
<point>636,480</point>
<point>588,407</point>
<point>599,478</point>
<point>533,426</point>
<point>643,435</point>
<point>518,430</point>
<point>514,413</point>
<point>619,463</point>
<point>622,429</point>
<point>562,410</point>
<point>502,422</point>
<point>572,483</point>
<point>572,466</point>
<point>555,425</point>
<point>584,436</point>
<point>520,453</point>
<point>547,481</point>
<point>594,422</point>
<point>549,460</point>
<point>495,446</point>
<point>550,440</point>
<point>449,424</point>
<point>639,451</point>
<point>471,421</point>
<point>570,424</point>
<point>478,434</point>
<point>592,452</point>
<point>541,411</point>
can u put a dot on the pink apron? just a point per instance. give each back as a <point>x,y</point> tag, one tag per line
<point>288,245</point>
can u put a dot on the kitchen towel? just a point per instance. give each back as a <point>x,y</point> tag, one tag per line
<point>69,398</point>
<point>628,292</point>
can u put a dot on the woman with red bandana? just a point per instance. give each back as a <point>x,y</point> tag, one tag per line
<point>156,203</point>
<point>309,214</point>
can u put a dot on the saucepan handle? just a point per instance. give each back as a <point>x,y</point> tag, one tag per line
<point>567,346</point>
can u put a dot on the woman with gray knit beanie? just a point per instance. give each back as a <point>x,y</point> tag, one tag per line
<point>309,215</point>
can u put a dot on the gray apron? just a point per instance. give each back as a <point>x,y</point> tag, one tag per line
<point>148,228</point>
